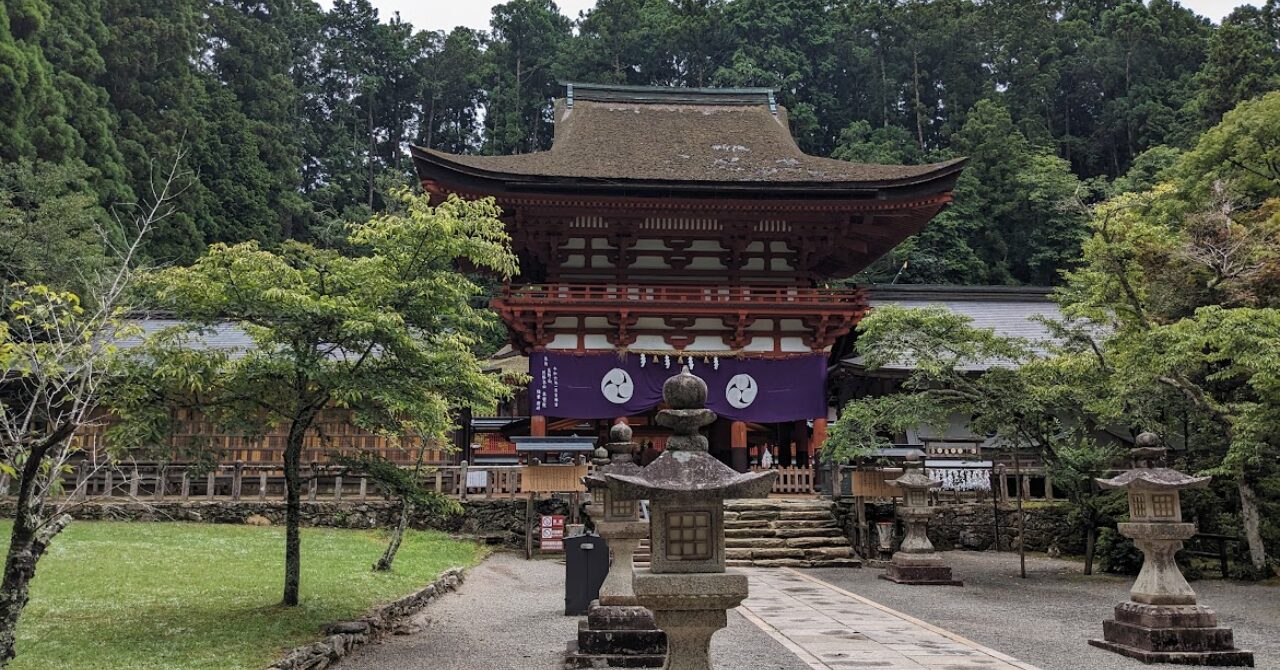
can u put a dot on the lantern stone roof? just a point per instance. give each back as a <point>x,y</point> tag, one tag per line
<point>914,479</point>
<point>639,137</point>
<point>1159,479</point>
<point>689,475</point>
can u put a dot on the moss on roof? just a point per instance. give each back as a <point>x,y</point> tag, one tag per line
<point>646,140</point>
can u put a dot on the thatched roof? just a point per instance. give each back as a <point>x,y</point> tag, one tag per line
<point>634,135</point>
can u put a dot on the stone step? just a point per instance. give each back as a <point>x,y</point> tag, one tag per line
<point>828,522</point>
<point>780,533</point>
<point>816,515</point>
<point>832,531</point>
<point>824,553</point>
<point>780,552</point>
<point>746,533</point>
<point>751,515</point>
<point>811,542</point>
<point>773,510</point>
<point>768,505</point>
<point>811,553</point>
<point>775,542</point>
<point>796,563</point>
<point>750,542</point>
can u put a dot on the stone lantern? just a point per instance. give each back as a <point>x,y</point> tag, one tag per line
<point>686,584</point>
<point>617,632</point>
<point>1161,622</point>
<point>916,562</point>
<point>617,521</point>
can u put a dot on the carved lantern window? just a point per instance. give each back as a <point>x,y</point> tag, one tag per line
<point>1160,506</point>
<point>688,536</point>
<point>620,510</point>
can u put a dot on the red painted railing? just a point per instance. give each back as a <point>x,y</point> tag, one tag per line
<point>612,295</point>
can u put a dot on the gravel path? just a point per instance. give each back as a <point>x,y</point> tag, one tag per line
<point>1046,619</point>
<point>509,615</point>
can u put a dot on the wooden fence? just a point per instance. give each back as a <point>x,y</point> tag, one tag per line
<point>323,482</point>
<point>332,433</point>
<point>792,481</point>
<point>243,481</point>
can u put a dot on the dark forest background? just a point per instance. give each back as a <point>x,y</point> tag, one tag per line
<point>295,120</point>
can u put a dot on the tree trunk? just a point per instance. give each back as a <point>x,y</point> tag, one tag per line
<point>519,83</point>
<point>884,89</point>
<point>431,122</point>
<point>1090,546</point>
<point>1252,525</point>
<point>397,535</point>
<point>1128,103</point>
<point>27,543</point>
<point>293,500</point>
<point>26,546</point>
<point>372,147</point>
<point>1066,128</point>
<point>292,516</point>
<point>915,73</point>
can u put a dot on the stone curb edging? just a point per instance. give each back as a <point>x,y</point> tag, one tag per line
<point>343,637</point>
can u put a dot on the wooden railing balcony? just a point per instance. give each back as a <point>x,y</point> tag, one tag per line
<point>817,316</point>
<point>752,298</point>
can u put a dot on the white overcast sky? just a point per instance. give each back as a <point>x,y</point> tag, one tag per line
<point>446,14</point>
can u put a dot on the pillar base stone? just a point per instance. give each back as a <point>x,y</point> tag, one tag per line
<point>1178,634</point>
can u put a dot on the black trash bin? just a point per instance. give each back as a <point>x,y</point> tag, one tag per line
<point>586,562</point>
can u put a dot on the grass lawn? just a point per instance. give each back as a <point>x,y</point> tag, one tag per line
<point>116,596</point>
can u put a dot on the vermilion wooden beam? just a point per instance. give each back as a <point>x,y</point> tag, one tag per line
<point>738,447</point>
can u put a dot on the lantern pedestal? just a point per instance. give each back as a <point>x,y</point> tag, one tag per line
<point>1160,582</point>
<point>1162,623</point>
<point>617,633</point>
<point>615,636</point>
<point>1181,634</point>
<point>623,538</point>
<point>921,570</point>
<point>690,607</point>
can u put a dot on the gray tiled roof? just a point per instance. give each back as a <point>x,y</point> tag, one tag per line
<point>223,336</point>
<point>1008,310</point>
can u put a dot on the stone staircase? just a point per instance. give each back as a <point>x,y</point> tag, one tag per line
<point>780,532</point>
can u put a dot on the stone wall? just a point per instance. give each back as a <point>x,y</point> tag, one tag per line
<point>500,521</point>
<point>969,526</point>
<point>342,637</point>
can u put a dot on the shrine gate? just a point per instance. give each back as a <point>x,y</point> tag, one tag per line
<point>682,226</point>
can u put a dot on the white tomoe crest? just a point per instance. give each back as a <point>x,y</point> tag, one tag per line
<point>741,391</point>
<point>616,386</point>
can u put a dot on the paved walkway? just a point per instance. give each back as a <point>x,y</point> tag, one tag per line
<point>1047,619</point>
<point>509,615</point>
<point>829,628</point>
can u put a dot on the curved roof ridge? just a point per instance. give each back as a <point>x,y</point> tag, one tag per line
<point>669,94</point>
<point>667,137</point>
